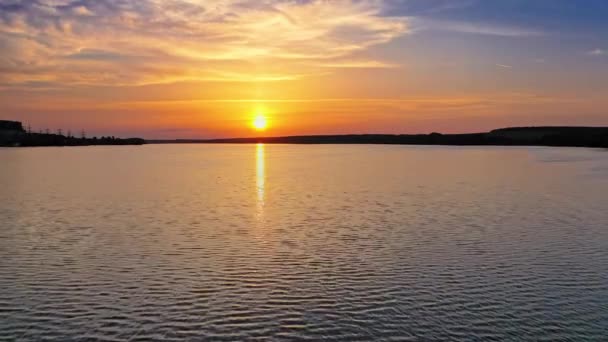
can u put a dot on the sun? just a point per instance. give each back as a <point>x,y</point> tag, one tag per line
<point>260,123</point>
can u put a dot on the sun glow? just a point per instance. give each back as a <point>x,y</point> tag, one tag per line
<point>260,122</point>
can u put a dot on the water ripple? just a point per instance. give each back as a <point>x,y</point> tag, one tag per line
<point>336,243</point>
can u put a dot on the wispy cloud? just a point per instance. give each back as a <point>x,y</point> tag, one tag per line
<point>428,7</point>
<point>475,28</point>
<point>443,6</point>
<point>359,64</point>
<point>505,66</point>
<point>133,42</point>
<point>598,52</point>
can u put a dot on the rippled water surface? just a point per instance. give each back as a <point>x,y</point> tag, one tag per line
<point>280,242</point>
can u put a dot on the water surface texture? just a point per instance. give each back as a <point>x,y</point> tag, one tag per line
<point>279,242</point>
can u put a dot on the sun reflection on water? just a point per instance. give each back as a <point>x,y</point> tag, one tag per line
<point>260,179</point>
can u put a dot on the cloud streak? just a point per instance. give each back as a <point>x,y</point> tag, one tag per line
<point>475,28</point>
<point>598,52</point>
<point>135,42</point>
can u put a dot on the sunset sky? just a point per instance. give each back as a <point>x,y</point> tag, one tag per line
<point>207,68</point>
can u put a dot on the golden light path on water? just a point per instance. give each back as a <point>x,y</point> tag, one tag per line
<point>299,242</point>
<point>260,180</point>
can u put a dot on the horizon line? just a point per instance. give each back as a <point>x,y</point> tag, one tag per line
<point>374,134</point>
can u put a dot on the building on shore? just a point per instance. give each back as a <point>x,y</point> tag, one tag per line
<point>11,133</point>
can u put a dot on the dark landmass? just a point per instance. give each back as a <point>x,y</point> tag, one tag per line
<point>515,136</point>
<point>13,134</point>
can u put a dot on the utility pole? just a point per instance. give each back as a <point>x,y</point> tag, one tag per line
<point>60,131</point>
<point>83,134</point>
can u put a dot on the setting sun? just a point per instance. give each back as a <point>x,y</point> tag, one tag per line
<point>260,123</point>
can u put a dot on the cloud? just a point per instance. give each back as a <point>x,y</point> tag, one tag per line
<point>94,54</point>
<point>598,52</point>
<point>447,5</point>
<point>82,10</point>
<point>359,64</point>
<point>475,28</point>
<point>504,66</point>
<point>133,42</point>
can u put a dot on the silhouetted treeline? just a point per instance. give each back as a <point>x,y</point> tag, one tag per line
<point>554,136</point>
<point>530,136</point>
<point>37,139</point>
<point>13,134</point>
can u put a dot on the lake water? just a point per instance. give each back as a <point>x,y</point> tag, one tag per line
<point>286,242</point>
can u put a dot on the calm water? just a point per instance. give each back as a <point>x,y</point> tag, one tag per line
<point>278,242</point>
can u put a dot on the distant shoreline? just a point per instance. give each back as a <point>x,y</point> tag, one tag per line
<point>514,136</point>
<point>12,134</point>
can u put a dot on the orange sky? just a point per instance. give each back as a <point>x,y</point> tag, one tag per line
<point>203,69</point>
